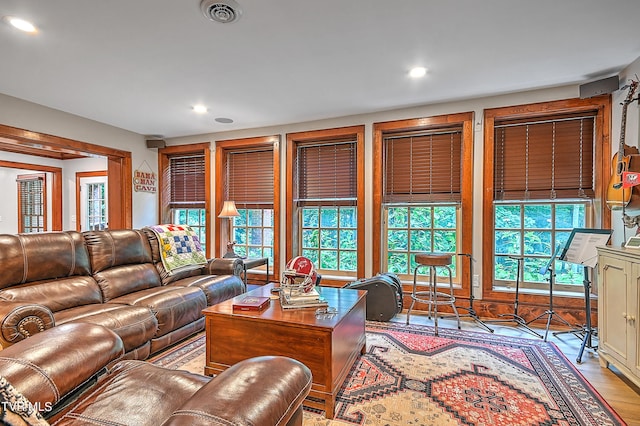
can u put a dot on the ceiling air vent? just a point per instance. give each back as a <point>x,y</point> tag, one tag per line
<point>223,11</point>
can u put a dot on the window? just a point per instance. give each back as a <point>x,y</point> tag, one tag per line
<point>247,173</point>
<point>251,187</point>
<point>543,188</point>
<point>326,200</point>
<point>96,206</point>
<point>423,173</point>
<point>184,183</point>
<point>541,185</point>
<point>422,194</point>
<point>32,203</point>
<point>532,231</point>
<point>188,192</point>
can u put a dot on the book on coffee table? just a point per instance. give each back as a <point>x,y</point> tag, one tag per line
<point>297,300</point>
<point>251,303</point>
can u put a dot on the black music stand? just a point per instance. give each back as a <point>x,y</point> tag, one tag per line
<point>550,313</point>
<point>471,312</point>
<point>581,250</point>
<point>514,317</point>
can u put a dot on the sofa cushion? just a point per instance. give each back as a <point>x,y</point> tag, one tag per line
<point>43,375</point>
<point>56,295</point>
<point>116,247</point>
<point>217,288</point>
<point>136,393</point>
<point>121,280</point>
<point>21,257</point>
<point>174,307</point>
<point>135,325</point>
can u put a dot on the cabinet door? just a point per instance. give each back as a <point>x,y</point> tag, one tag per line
<point>633,320</point>
<point>614,328</point>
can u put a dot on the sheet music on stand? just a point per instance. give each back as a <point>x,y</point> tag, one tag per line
<point>581,250</point>
<point>581,246</point>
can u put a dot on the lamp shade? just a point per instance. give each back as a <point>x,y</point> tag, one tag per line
<point>229,209</point>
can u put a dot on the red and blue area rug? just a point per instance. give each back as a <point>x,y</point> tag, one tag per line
<point>408,376</point>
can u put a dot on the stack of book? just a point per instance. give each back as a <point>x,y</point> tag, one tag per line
<point>293,299</point>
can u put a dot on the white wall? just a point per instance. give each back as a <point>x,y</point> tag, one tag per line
<point>26,115</point>
<point>632,138</point>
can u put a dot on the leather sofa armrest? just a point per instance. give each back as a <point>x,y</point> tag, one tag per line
<point>51,365</point>
<point>19,320</point>
<point>225,266</point>
<point>265,390</point>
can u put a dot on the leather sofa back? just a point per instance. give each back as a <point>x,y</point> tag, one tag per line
<point>121,262</point>
<point>116,247</point>
<point>57,295</point>
<point>22,257</point>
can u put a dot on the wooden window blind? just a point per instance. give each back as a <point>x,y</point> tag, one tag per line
<point>544,159</point>
<point>423,167</point>
<point>32,203</point>
<point>250,178</point>
<point>326,173</point>
<point>187,183</point>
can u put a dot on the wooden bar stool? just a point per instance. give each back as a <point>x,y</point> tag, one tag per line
<point>432,297</point>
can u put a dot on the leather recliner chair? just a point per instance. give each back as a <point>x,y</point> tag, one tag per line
<point>64,371</point>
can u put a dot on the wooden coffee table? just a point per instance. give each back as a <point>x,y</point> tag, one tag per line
<point>328,346</point>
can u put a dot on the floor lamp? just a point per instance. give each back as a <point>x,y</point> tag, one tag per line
<point>228,212</point>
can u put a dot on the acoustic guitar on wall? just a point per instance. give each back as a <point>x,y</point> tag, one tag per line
<point>618,196</point>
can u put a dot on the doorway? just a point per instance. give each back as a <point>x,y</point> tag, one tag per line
<point>119,173</point>
<point>92,201</point>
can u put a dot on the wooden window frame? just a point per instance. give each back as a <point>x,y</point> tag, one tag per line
<point>291,228</point>
<point>465,120</point>
<point>56,188</point>
<point>224,146</point>
<point>164,196</point>
<point>602,145</point>
<point>29,178</point>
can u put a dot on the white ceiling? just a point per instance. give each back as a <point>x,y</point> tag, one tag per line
<point>142,64</point>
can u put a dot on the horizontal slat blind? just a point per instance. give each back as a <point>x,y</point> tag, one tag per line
<point>32,202</point>
<point>250,178</point>
<point>544,160</point>
<point>327,173</point>
<point>423,167</point>
<point>187,181</point>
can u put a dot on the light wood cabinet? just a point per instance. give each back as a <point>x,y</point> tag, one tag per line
<point>619,310</point>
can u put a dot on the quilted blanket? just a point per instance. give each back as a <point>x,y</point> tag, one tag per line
<point>180,248</point>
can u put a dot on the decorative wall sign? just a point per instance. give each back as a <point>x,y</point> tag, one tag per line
<point>144,180</point>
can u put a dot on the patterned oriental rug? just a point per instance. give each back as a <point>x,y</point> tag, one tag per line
<point>410,377</point>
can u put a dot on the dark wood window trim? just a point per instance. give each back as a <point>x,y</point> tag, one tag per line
<point>22,180</point>
<point>56,188</point>
<point>164,196</point>
<point>318,136</point>
<point>602,143</point>
<point>380,130</point>
<point>222,148</point>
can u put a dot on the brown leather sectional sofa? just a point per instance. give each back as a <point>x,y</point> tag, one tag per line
<point>62,372</point>
<point>113,278</point>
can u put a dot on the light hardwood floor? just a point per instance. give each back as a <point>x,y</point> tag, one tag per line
<point>622,396</point>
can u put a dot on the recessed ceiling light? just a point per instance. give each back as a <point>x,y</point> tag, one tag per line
<point>223,120</point>
<point>200,109</point>
<point>21,24</point>
<point>417,72</point>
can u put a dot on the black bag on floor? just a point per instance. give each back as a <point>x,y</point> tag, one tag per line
<point>384,295</point>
